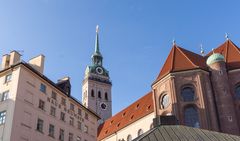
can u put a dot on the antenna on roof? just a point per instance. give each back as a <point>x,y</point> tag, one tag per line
<point>226,36</point>
<point>202,50</point>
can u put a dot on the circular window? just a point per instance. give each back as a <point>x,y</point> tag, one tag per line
<point>103,106</point>
<point>165,101</point>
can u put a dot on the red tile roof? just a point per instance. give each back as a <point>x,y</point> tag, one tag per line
<point>180,59</point>
<point>231,54</point>
<point>132,113</point>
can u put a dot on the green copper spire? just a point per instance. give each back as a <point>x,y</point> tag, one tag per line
<point>97,41</point>
<point>97,60</point>
<point>97,57</point>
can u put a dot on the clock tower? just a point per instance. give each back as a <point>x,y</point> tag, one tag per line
<point>96,89</point>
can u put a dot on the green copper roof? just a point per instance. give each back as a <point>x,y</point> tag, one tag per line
<point>215,57</point>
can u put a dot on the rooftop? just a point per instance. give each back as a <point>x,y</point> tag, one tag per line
<point>184,133</point>
<point>132,113</point>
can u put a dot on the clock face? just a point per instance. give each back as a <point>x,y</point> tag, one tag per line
<point>99,70</point>
<point>103,106</point>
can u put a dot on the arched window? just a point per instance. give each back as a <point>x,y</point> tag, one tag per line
<point>191,117</point>
<point>99,94</point>
<point>237,92</point>
<point>92,93</point>
<point>187,94</point>
<point>140,132</point>
<point>106,96</point>
<point>151,126</point>
<point>129,138</point>
<point>164,101</point>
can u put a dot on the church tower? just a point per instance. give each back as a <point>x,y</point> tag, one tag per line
<point>96,89</point>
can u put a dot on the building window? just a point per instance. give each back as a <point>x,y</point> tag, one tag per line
<point>40,125</point>
<point>99,94</point>
<point>8,78</point>
<point>191,117</point>
<point>187,94</point>
<point>79,125</point>
<point>78,138</point>
<point>79,112</point>
<point>237,92</point>
<point>92,93</point>
<point>54,95</point>
<point>43,88</point>
<point>86,116</point>
<point>63,101</point>
<point>86,129</point>
<point>164,101</point>
<point>129,138</point>
<point>53,111</point>
<point>62,116</point>
<point>70,138</point>
<point>71,107</point>
<point>5,95</point>
<point>51,130</point>
<point>140,132</point>
<point>106,96</point>
<point>71,121</point>
<point>2,117</point>
<point>61,135</point>
<point>41,104</point>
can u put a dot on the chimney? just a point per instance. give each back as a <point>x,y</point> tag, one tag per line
<point>5,61</point>
<point>38,63</point>
<point>65,85</point>
<point>14,57</point>
<point>165,120</point>
<point>10,59</point>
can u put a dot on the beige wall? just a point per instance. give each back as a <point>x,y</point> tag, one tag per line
<point>132,129</point>
<point>9,104</point>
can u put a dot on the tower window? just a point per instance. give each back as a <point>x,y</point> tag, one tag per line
<point>237,92</point>
<point>164,101</point>
<point>187,94</point>
<point>106,96</point>
<point>92,93</point>
<point>191,117</point>
<point>99,94</point>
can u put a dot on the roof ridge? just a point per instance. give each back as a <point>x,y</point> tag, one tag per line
<point>180,49</point>
<point>236,47</point>
<point>227,48</point>
<point>173,57</point>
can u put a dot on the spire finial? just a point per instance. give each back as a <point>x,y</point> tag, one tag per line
<point>97,40</point>
<point>97,28</point>
<point>226,36</point>
<point>202,50</point>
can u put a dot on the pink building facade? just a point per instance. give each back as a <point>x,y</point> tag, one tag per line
<point>33,108</point>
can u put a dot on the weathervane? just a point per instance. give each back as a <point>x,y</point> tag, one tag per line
<point>202,50</point>
<point>226,36</point>
<point>174,42</point>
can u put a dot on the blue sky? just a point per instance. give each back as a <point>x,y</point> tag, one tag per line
<point>135,36</point>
